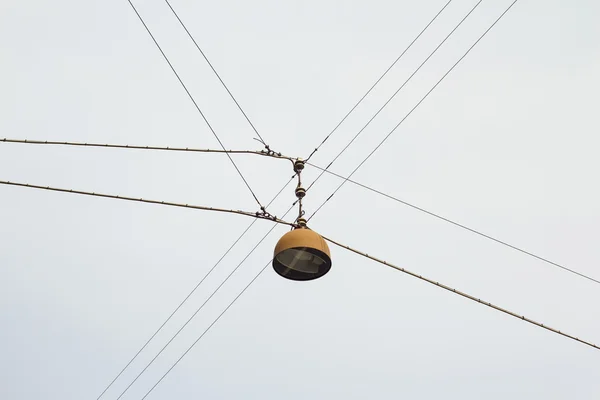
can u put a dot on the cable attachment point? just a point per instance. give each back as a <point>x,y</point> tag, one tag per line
<point>264,214</point>
<point>298,165</point>
<point>267,150</point>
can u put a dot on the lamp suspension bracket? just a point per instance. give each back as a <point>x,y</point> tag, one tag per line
<point>300,192</point>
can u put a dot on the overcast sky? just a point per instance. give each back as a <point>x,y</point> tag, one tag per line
<point>507,144</point>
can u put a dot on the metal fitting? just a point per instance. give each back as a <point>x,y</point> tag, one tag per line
<point>298,165</point>
<point>301,222</point>
<point>300,192</point>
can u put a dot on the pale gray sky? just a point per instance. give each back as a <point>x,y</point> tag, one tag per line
<point>507,144</point>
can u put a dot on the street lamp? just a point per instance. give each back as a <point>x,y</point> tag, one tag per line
<point>302,254</point>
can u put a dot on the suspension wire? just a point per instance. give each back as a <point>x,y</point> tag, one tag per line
<point>198,310</point>
<point>187,298</point>
<point>195,104</point>
<point>264,153</point>
<point>378,80</point>
<point>216,74</point>
<point>298,189</point>
<point>414,108</point>
<point>395,93</point>
<point>463,294</point>
<point>438,216</point>
<point>257,215</point>
<point>207,329</point>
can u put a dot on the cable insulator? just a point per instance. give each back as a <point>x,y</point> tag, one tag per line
<point>298,165</point>
<point>301,222</point>
<point>300,192</point>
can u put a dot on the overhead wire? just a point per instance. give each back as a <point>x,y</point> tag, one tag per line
<point>448,220</point>
<point>463,294</point>
<point>175,311</point>
<point>378,80</point>
<point>194,102</point>
<point>395,93</point>
<point>186,299</point>
<point>414,108</point>
<point>206,330</point>
<point>201,307</point>
<point>216,73</point>
<point>263,153</point>
<point>258,215</point>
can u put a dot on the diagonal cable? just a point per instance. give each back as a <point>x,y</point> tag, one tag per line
<point>206,330</point>
<point>256,215</point>
<point>458,224</point>
<point>215,72</point>
<point>395,93</point>
<point>414,108</point>
<point>200,308</point>
<point>378,80</point>
<point>175,311</point>
<point>264,153</point>
<point>194,101</point>
<point>463,294</point>
<point>184,301</point>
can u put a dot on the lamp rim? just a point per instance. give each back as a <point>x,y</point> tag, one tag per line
<point>294,275</point>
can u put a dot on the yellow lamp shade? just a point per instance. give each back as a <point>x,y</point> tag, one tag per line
<point>302,255</point>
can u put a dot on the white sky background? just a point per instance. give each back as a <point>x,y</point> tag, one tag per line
<point>507,144</point>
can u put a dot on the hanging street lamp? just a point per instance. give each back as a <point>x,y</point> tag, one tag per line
<point>301,254</point>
